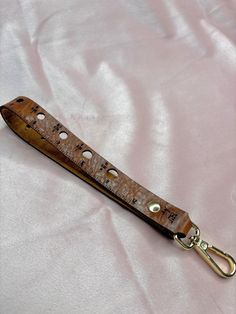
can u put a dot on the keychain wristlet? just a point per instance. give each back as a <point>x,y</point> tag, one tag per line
<point>41,130</point>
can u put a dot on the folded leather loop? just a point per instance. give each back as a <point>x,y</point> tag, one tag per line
<point>41,130</point>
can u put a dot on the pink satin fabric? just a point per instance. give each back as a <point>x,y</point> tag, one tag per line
<point>151,86</point>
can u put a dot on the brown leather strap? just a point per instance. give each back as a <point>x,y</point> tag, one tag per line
<point>38,128</point>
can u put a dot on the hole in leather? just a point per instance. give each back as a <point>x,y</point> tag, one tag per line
<point>112,173</point>
<point>40,116</point>
<point>63,135</point>
<point>19,100</point>
<point>87,154</point>
<point>35,139</point>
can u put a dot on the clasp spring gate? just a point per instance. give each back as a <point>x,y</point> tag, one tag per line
<point>203,249</point>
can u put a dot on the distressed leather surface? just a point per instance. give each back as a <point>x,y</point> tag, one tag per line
<point>40,129</point>
<point>154,80</point>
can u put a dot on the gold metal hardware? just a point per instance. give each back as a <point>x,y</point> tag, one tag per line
<point>204,249</point>
<point>154,207</point>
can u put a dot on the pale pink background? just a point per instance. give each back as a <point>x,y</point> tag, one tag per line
<point>151,86</point>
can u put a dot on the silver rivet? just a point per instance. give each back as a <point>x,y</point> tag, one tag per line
<point>154,207</point>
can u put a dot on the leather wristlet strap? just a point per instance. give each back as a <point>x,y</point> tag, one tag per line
<point>41,130</point>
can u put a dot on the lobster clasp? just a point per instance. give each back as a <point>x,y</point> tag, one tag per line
<point>204,249</point>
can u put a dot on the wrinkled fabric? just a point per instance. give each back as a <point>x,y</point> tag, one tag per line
<point>151,86</point>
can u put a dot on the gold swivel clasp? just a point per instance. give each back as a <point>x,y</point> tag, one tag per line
<point>204,250</point>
